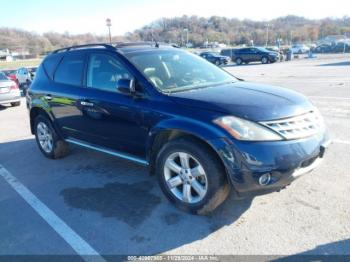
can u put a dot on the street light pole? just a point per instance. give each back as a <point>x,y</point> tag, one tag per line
<point>267,34</point>
<point>109,24</point>
<point>186,30</point>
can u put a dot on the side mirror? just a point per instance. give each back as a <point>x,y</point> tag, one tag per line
<point>126,86</point>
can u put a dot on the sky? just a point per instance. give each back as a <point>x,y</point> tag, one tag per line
<point>88,16</point>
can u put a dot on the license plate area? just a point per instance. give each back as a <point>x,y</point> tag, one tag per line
<point>4,90</point>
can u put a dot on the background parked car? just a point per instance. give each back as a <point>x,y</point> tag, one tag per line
<point>24,77</point>
<point>251,54</point>
<point>341,47</point>
<point>9,91</point>
<point>324,48</point>
<point>215,58</point>
<point>32,71</point>
<point>21,76</point>
<point>12,74</point>
<point>300,49</point>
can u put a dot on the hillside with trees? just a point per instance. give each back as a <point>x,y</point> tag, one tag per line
<point>196,30</point>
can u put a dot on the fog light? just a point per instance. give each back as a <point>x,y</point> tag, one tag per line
<point>265,179</point>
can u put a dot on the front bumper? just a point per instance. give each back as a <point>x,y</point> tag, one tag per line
<point>274,58</point>
<point>284,161</point>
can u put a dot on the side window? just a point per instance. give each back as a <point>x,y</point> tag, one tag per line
<point>104,71</point>
<point>70,70</point>
<point>50,63</point>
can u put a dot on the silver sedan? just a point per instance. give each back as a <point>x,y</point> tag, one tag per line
<point>9,91</point>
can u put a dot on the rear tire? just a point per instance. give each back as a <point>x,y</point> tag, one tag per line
<point>204,176</point>
<point>239,61</point>
<point>50,144</point>
<point>16,103</point>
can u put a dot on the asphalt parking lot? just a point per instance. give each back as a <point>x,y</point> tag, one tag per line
<point>110,206</point>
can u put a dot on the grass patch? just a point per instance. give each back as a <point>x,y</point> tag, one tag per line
<point>20,63</point>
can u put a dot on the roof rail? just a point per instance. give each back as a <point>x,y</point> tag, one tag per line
<point>149,43</point>
<point>107,46</point>
<point>125,44</point>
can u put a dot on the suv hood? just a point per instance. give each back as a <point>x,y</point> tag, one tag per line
<point>246,100</point>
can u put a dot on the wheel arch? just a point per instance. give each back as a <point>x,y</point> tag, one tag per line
<point>34,112</point>
<point>165,133</point>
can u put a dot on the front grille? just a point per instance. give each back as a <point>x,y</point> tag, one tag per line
<point>297,127</point>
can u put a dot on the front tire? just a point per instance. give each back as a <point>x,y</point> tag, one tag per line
<point>191,176</point>
<point>50,144</point>
<point>264,60</point>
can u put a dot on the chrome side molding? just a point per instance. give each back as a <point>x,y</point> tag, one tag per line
<point>108,151</point>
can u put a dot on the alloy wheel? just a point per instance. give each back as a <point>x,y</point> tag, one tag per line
<point>185,177</point>
<point>44,135</point>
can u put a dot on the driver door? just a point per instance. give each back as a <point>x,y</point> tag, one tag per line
<point>113,119</point>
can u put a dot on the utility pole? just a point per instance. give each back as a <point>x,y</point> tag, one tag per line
<point>267,35</point>
<point>186,30</point>
<point>109,24</point>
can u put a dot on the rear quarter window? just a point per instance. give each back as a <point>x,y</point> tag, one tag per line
<point>50,64</point>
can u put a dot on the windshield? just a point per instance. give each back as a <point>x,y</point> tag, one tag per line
<point>263,49</point>
<point>2,76</point>
<point>176,70</point>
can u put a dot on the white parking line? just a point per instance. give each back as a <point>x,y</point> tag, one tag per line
<point>330,97</point>
<point>73,239</point>
<point>339,141</point>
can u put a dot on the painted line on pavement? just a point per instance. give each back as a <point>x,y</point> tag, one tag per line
<point>339,141</point>
<point>80,246</point>
<point>330,97</point>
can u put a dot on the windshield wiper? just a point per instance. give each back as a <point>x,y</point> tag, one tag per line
<point>197,87</point>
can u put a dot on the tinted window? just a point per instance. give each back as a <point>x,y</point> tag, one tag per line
<point>104,71</point>
<point>51,63</point>
<point>244,50</point>
<point>70,70</point>
<point>226,52</point>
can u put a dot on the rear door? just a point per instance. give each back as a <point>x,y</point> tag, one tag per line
<point>253,55</point>
<point>243,54</point>
<point>66,93</point>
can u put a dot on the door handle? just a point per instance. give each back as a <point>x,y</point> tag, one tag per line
<point>85,103</point>
<point>48,97</point>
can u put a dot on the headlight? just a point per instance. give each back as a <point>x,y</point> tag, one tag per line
<point>246,130</point>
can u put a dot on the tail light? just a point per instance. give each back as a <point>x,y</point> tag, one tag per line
<point>14,86</point>
<point>13,77</point>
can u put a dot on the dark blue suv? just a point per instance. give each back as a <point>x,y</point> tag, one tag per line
<point>198,128</point>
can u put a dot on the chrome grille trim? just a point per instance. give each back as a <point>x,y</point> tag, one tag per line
<point>298,126</point>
